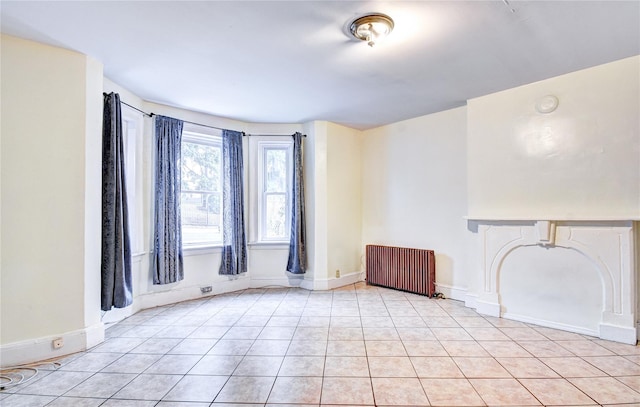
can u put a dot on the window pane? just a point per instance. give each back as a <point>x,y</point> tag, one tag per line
<point>276,177</point>
<point>200,167</point>
<point>275,220</point>
<point>201,203</point>
<point>201,217</point>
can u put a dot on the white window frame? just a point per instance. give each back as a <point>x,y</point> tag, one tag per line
<point>258,148</point>
<point>132,133</point>
<point>215,140</point>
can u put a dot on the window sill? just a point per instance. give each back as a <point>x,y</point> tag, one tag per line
<point>201,250</point>
<point>269,245</point>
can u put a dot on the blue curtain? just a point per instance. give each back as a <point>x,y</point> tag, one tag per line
<point>116,250</point>
<point>297,263</point>
<point>234,249</point>
<point>167,264</point>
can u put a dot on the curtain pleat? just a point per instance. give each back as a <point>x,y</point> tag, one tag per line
<point>116,286</point>
<point>297,262</point>
<point>167,265</point>
<point>234,249</point>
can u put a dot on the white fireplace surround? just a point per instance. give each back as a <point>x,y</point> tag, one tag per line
<point>607,244</point>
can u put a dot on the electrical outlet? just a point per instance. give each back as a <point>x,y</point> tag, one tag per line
<point>57,343</point>
<point>337,273</point>
<point>206,289</point>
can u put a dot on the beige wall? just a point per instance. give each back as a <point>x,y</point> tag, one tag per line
<point>581,161</point>
<point>51,121</point>
<point>344,200</point>
<point>414,190</point>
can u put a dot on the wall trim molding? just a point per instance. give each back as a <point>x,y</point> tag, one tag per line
<point>32,350</point>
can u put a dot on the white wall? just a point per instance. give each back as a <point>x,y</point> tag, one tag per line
<point>581,161</point>
<point>51,120</point>
<point>414,190</point>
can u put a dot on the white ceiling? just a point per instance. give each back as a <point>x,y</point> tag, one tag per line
<point>292,61</point>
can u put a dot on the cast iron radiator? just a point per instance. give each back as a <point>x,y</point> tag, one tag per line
<point>412,270</point>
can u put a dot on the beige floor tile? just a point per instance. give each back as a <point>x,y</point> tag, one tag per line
<point>345,334</point>
<point>101,385</point>
<point>148,387</point>
<point>246,390</point>
<point>345,322</point>
<point>606,390</point>
<point>311,334</point>
<point>193,347</point>
<point>621,349</point>
<point>398,391</point>
<point>523,333</point>
<point>283,321</point>
<point>572,367</point>
<point>585,348</point>
<point>391,367</point>
<point>480,367</point>
<point>91,362</point>
<point>424,348</point>
<point>196,389</point>
<point>346,366</point>
<point>302,366</point>
<point>156,345</point>
<point>299,390</point>
<point>631,381</point>
<point>464,348</point>
<point>409,322</point>
<point>78,402</point>
<point>209,332</point>
<point>416,334</point>
<point>558,335</point>
<point>173,364</point>
<point>473,322</point>
<point>27,400</point>
<point>55,384</point>
<point>436,367</point>
<point>544,349</point>
<point>269,347</point>
<point>223,365</point>
<point>242,332</point>
<point>376,322</point>
<point>504,349</point>
<point>526,368</point>
<point>259,366</point>
<point>231,347</point>
<point>555,391</point>
<point>307,348</point>
<point>346,348</point>
<point>380,334</point>
<point>385,348</point>
<point>277,332</point>
<point>614,365</point>
<point>347,390</point>
<point>440,320</point>
<point>311,321</point>
<point>451,392</point>
<point>503,392</point>
<point>132,363</point>
<point>452,334</point>
<point>486,334</point>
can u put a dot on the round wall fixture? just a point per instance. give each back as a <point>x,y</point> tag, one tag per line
<point>547,104</point>
<point>371,28</point>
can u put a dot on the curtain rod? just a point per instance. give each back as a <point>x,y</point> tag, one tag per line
<point>200,124</point>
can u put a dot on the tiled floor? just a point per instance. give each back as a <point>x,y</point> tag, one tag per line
<point>358,345</point>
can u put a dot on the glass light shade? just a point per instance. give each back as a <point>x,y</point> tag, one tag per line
<point>371,28</point>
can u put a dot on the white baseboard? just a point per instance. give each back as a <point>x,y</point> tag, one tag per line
<point>617,333</point>
<point>160,298</point>
<point>33,350</point>
<point>551,324</point>
<point>332,283</point>
<point>452,292</point>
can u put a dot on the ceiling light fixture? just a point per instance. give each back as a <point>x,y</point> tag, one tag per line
<point>371,28</point>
